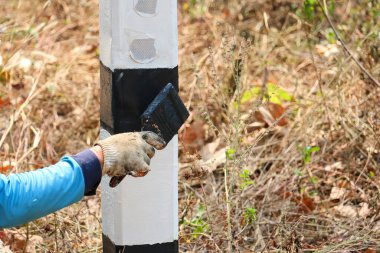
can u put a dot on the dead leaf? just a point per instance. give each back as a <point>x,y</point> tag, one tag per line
<point>327,50</point>
<point>346,211</point>
<point>331,167</point>
<point>3,236</point>
<point>4,249</point>
<point>209,149</point>
<point>364,211</point>
<point>6,166</point>
<point>5,76</point>
<point>93,205</point>
<point>33,242</point>
<point>17,242</point>
<point>277,112</point>
<point>270,114</point>
<point>193,137</point>
<point>369,250</point>
<point>306,204</point>
<point>337,193</point>
<point>4,102</point>
<point>263,115</point>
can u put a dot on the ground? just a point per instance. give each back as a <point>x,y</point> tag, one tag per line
<point>281,151</point>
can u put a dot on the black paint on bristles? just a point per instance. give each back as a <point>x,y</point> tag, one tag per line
<point>165,114</point>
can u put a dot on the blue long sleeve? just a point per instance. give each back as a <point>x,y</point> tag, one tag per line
<point>31,195</point>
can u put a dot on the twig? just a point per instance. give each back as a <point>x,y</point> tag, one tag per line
<point>228,207</point>
<point>363,69</point>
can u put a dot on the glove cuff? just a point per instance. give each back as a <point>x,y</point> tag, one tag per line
<point>109,155</point>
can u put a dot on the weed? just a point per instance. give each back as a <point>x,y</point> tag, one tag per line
<point>307,152</point>
<point>246,177</point>
<point>198,224</point>
<point>250,215</point>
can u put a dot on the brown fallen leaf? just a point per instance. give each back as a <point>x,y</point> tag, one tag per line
<point>346,211</point>
<point>364,211</point>
<point>337,193</point>
<point>208,150</point>
<point>334,166</point>
<point>277,112</point>
<point>306,204</point>
<point>4,249</point>
<point>270,113</point>
<point>350,211</point>
<point>193,137</point>
<point>4,102</point>
<point>369,250</point>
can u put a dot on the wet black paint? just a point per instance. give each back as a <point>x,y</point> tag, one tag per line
<point>126,93</point>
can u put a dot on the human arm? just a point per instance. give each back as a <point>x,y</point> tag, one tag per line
<point>31,195</point>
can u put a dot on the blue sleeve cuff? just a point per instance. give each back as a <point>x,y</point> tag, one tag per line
<point>91,169</point>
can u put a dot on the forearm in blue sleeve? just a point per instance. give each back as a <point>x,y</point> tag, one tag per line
<point>31,195</point>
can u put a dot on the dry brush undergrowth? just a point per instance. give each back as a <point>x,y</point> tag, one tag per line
<point>280,152</point>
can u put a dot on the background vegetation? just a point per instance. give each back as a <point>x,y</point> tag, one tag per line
<point>281,153</point>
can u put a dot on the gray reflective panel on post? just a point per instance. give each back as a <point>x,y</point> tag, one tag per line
<point>143,50</point>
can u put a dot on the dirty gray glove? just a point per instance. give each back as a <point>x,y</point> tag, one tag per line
<point>129,154</point>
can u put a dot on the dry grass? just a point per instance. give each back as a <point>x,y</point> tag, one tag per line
<point>330,204</point>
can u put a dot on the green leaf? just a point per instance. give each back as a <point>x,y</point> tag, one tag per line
<point>314,180</point>
<point>307,152</point>
<point>330,36</point>
<point>273,94</point>
<point>250,215</point>
<point>245,175</point>
<point>274,99</point>
<point>309,7</point>
<point>298,172</point>
<point>371,174</point>
<point>230,154</point>
<point>331,7</point>
<point>249,94</point>
<point>201,210</point>
<point>199,226</point>
<point>281,93</point>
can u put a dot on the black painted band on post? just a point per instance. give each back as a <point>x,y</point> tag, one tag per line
<point>126,93</point>
<point>110,247</point>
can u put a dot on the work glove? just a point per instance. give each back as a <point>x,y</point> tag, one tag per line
<point>129,154</point>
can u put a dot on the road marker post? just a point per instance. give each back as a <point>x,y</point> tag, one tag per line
<point>139,56</point>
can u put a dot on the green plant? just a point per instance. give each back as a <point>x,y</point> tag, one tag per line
<point>309,7</point>
<point>196,8</point>
<point>230,153</point>
<point>198,224</point>
<point>273,94</point>
<point>313,179</point>
<point>250,215</point>
<point>330,36</point>
<point>298,172</point>
<point>245,176</point>
<point>307,153</point>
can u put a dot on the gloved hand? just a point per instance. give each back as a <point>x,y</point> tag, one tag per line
<point>129,154</point>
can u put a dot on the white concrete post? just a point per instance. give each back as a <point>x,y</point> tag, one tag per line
<point>138,54</point>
